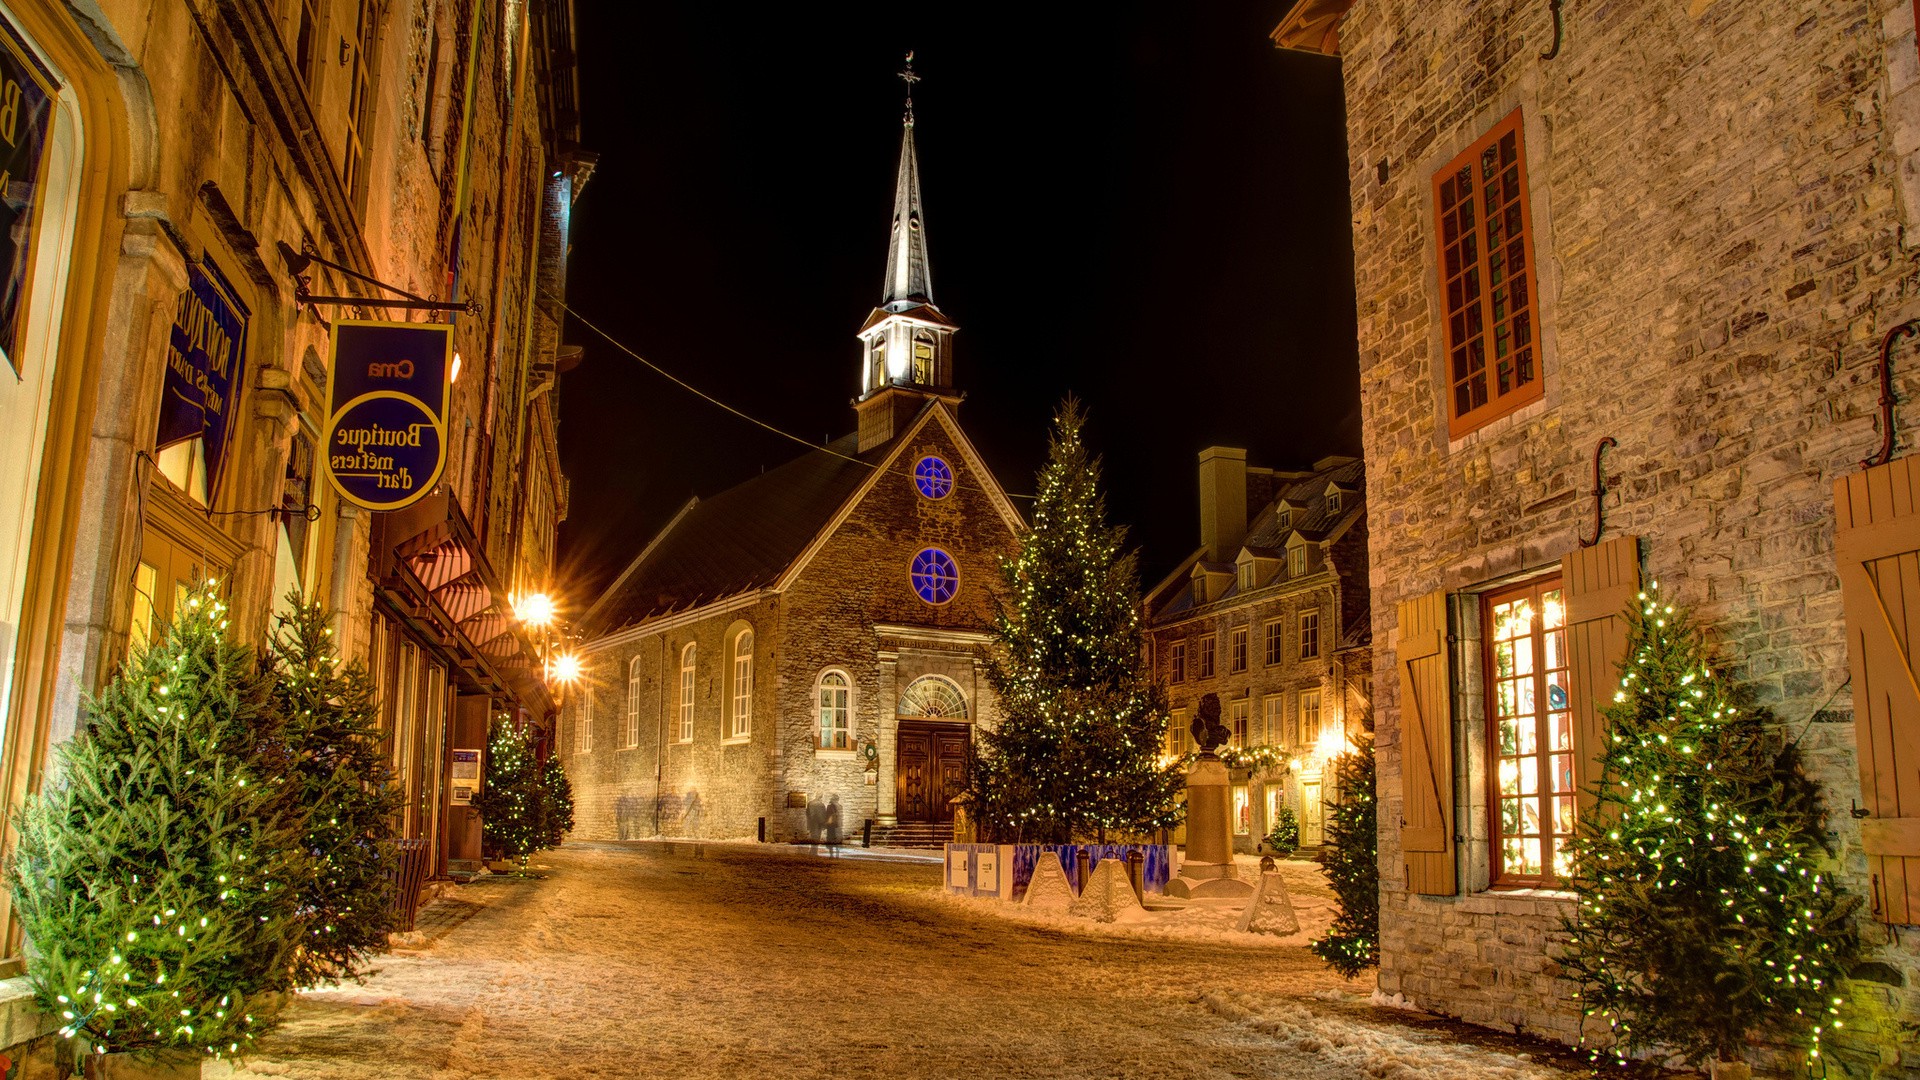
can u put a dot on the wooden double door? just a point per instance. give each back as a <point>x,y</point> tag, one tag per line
<point>931,769</point>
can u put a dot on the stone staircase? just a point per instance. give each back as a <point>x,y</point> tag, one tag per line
<point>914,834</point>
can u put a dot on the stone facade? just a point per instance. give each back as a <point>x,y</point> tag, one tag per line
<point>1723,203</point>
<point>1251,590</point>
<point>844,605</point>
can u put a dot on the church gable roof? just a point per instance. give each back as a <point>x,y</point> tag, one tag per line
<point>741,539</point>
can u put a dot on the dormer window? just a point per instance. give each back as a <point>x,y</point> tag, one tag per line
<point>1297,560</point>
<point>1246,576</point>
<point>1333,500</point>
<point>1286,517</point>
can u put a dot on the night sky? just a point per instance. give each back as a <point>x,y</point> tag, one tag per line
<point>1144,204</point>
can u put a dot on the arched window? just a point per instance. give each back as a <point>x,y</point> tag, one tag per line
<point>631,736</point>
<point>740,720</point>
<point>923,358</point>
<point>836,715</point>
<point>686,693</point>
<point>931,695</point>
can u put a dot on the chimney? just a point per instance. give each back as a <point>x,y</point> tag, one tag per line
<point>1223,501</point>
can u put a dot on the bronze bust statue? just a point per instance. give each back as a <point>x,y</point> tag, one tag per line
<point>1207,729</point>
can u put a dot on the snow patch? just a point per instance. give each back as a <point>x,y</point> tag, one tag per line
<point>1385,1054</point>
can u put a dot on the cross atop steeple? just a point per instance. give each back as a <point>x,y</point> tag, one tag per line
<point>907,76</point>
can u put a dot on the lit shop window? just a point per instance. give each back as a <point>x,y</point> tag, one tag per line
<point>1532,732</point>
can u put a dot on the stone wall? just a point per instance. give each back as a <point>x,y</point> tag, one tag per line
<point>1719,239</point>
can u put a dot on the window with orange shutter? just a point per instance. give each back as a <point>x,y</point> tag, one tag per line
<point>1486,280</point>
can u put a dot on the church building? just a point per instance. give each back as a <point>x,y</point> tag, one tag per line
<point>810,644</point>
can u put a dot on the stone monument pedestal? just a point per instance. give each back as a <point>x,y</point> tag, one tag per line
<point>1208,871</point>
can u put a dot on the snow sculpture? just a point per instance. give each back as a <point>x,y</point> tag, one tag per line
<point>1049,889</point>
<point>1108,893</point>
<point>1270,911</point>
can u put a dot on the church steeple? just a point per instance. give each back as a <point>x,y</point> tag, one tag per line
<point>907,342</point>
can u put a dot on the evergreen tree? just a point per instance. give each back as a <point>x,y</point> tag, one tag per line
<point>556,794</point>
<point>1078,751</point>
<point>155,870</point>
<point>1352,861</point>
<point>510,801</point>
<point>341,784</point>
<point>1708,913</point>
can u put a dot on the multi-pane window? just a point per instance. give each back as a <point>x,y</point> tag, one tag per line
<point>1286,517</point>
<point>583,724</point>
<point>1333,501</point>
<point>1239,713</point>
<point>1177,662</point>
<point>1532,732</point>
<point>836,719</point>
<point>1246,576</point>
<point>1206,657</point>
<point>1486,272</point>
<point>686,693</point>
<point>923,359</point>
<point>1273,647</point>
<point>306,39</point>
<point>630,737</point>
<point>1273,715</point>
<point>1309,635</point>
<point>740,721</point>
<point>1177,733</point>
<point>360,100</point>
<point>1309,717</point>
<point>1237,649</point>
<point>1296,560</point>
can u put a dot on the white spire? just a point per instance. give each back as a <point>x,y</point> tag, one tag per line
<point>908,276</point>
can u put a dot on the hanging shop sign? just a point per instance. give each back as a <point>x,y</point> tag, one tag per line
<point>386,437</point>
<point>205,353</point>
<point>26,112</point>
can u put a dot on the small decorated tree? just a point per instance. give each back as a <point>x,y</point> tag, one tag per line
<point>556,793</point>
<point>156,870</point>
<point>1708,910</point>
<point>1077,753</point>
<point>510,802</point>
<point>1352,861</point>
<point>1283,832</point>
<point>340,784</point>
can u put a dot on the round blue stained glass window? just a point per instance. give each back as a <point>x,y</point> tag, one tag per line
<point>933,478</point>
<point>936,577</point>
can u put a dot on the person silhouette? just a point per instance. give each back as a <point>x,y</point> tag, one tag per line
<point>832,823</point>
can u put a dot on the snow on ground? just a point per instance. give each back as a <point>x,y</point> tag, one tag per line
<point>711,961</point>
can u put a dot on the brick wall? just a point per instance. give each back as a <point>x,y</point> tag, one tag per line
<point>1718,192</point>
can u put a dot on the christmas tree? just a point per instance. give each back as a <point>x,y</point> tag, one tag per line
<point>340,783</point>
<point>155,869</point>
<point>556,793</point>
<point>1352,861</point>
<point>510,801</point>
<point>1077,753</point>
<point>1708,910</point>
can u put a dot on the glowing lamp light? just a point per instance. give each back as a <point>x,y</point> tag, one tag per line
<point>1333,742</point>
<point>454,374</point>
<point>535,609</point>
<point>565,668</point>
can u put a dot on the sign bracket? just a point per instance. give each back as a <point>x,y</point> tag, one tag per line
<point>298,262</point>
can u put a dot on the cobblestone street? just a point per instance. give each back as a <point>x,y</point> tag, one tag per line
<point>637,960</point>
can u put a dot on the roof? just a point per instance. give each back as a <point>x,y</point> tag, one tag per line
<point>739,540</point>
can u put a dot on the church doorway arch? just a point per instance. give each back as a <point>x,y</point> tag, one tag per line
<point>933,747</point>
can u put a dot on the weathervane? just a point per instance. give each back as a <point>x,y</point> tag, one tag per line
<point>907,76</point>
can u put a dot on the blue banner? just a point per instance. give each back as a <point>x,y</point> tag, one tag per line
<point>205,354</point>
<point>26,112</point>
<point>385,441</point>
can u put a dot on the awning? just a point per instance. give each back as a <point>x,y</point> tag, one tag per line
<point>432,573</point>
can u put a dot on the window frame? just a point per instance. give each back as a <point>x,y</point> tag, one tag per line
<point>362,101</point>
<point>1209,648</point>
<point>689,656</point>
<point>1310,707</point>
<point>740,687</point>
<point>630,738</point>
<point>1309,631</point>
<point>1240,722</point>
<point>1496,404</point>
<point>1273,718</point>
<point>845,708</point>
<point>1237,649</point>
<point>1297,561</point>
<point>1539,587</point>
<point>583,723</point>
<point>1273,643</point>
<point>1177,662</point>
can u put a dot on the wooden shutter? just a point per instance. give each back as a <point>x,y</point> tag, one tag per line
<point>1426,746</point>
<point>1876,543</point>
<point>1597,584</point>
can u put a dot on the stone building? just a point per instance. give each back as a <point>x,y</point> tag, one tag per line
<point>178,173</point>
<point>810,643</point>
<point>1270,613</point>
<point>1655,252</point>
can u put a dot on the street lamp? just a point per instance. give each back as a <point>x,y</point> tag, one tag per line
<point>535,610</point>
<point>564,669</point>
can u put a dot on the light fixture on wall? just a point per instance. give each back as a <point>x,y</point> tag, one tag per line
<point>454,375</point>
